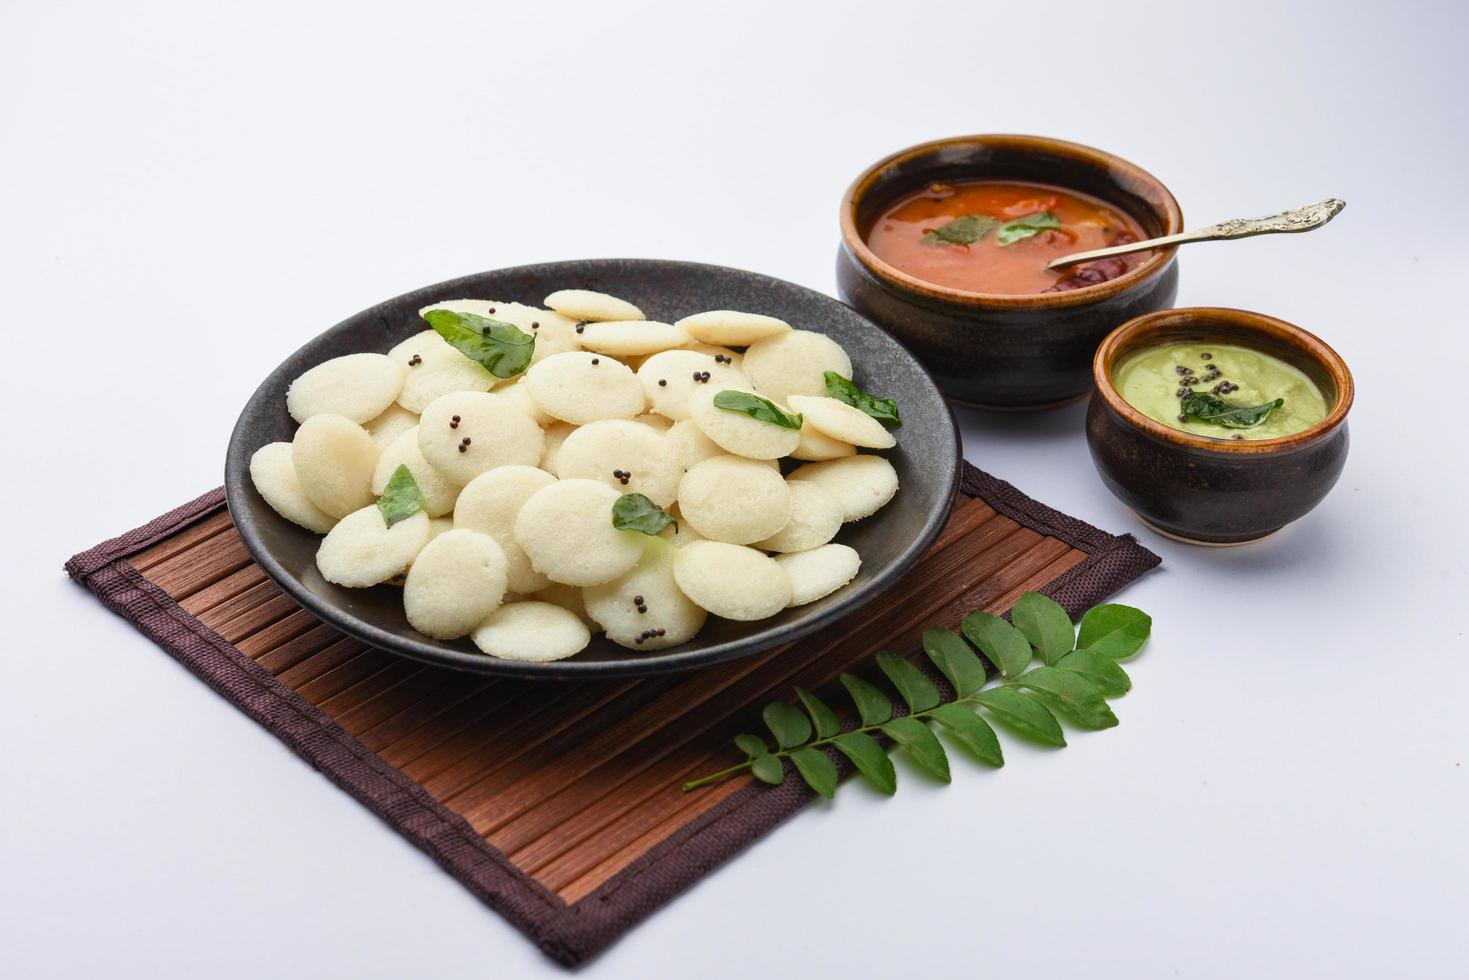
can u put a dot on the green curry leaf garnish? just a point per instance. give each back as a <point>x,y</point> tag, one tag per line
<point>1013,231</point>
<point>963,230</point>
<point>500,348</point>
<point>885,410</point>
<point>401,498</point>
<point>1204,407</point>
<point>635,512</point>
<point>756,407</point>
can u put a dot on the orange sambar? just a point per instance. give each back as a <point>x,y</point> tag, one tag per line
<point>986,266</point>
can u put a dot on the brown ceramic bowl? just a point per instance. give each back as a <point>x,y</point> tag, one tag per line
<point>989,349</point>
<point>1217,491</point>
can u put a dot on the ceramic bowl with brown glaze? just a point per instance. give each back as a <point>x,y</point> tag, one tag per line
<point>1217,491</point>
<point>997,350</point>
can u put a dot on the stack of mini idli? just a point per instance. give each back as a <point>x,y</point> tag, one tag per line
<point>514,542</point>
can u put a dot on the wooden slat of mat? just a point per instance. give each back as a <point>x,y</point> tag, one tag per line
<point>576,781</point>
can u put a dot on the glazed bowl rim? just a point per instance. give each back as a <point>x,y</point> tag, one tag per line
<point>1301,339</point>
<point>1171,217</point>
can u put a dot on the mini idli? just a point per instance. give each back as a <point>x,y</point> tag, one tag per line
<point>362,551</point>
<point>659,423</point>
<point>465,433</point>
<point>732,327</point>
<point>671,378</point>
<point>532,631</point>
<point>433,369</point>
<point>587,304</point>
<point>794,363</point>
<point>687,443</point>
<point>274,476</point>
<point>841,421</point>
<point>334,459</point>
<point>819,572</point>
<point>680,532</point>
<point>393,422</point>
<point>816,445</point>
<point>729,498</point>
<point>566,529</point>
<point>517,394</point>
<point>359,387</point>
<point>816,517</point>
<point>862,483</point>
<point>454,583</point>
<point>490,504</point>
<point>644,609</point>
<point>631,338</point>
<point>731,581</point>
<point>738,433</point>
<point>568,597</point>
<point>581,387</point>
<point>626,455</point>
<point>439,492</point>
<point>556,434</point>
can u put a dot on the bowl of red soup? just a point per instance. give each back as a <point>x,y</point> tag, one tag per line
<point>946,245</point>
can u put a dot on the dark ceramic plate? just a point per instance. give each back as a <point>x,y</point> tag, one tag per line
<point>926,458</point>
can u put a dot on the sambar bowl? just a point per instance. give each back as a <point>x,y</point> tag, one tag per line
<point>993,350</point>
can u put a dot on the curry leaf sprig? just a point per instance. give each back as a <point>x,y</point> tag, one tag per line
<point>1078,672</point>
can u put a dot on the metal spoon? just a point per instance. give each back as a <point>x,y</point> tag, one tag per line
<point>1297,219</point>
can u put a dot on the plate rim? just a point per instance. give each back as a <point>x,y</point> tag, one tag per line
<point>237,483</point>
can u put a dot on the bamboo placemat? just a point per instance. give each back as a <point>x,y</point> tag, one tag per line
<point>558,804</point>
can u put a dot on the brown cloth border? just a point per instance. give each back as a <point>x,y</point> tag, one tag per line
<point>570,934</point>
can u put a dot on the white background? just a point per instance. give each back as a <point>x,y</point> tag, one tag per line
<point>188,192</point>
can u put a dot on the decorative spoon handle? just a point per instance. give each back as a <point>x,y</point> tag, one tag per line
<point>1295,220</point>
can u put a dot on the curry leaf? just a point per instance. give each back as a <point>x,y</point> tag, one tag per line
<point>401,498</point>
<point>756,407</point>
<point>786,723</point>
<point>970,731</point>
<point>1070,694</point>
<point>822,717</point>
<point>816,767</point>
<point>1204,407</point>
<point>1006,646</point>
<point>1099,669</point>
<point>1013,231</point>
<point>922,744</point>
<point>1091,715</point>
<point>751,745</point>
<point>1045,624</point>
<point>635,512</point>
<point>873,706</point>
<point>963,230</point>
<point>500,348</point>
<point>768,769</point>
<point>1114,630</point>
<point>870,760</point>
<point>885,410</point>
<point>955,659</point>
<point>1022,714</point>
<point>916,689</point>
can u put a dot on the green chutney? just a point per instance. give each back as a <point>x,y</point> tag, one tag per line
<point>1155,382</point>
